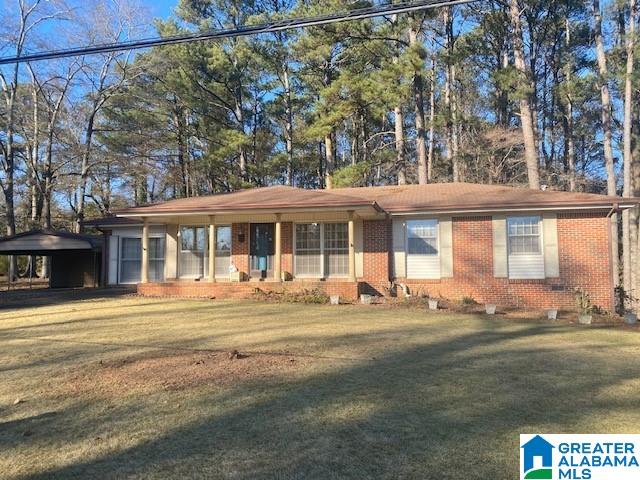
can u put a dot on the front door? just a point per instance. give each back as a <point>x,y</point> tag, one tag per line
<point>262,249</point>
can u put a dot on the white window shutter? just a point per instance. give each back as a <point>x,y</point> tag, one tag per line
<point>446,247</point>
<point>500,254</point>
<point>550,239</point>
<point>112,277</point>
<point>399,256</point>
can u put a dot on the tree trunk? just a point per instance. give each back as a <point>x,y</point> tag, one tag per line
<point>329,163</point>
<point>418,95</point>
<point>449,98</point>
<point>288,127</point>
<point>628,217</point>
<point>526,111</point>
<point>432,118</point>
<point>84,171</point>
<point>400,150</point>
<point>603,74</point>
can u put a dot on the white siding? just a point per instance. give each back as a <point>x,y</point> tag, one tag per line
<point>423,267</point>
<point>526,267</point>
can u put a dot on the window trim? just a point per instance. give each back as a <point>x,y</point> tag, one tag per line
<point>194,227</point>
<point>539,257</point>
<point>121,240</point>
<point>406,237</point>
<point>433,256</point>
<point>540,252</point>
<point>323,273</point>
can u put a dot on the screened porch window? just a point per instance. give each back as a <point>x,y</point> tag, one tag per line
<point>322,250</point>
<point>193,242</point>
<point>130,260</point>
<point>156,259</point>
<point>308,250</point>
<point>336,249</point>
<point>223,250</point>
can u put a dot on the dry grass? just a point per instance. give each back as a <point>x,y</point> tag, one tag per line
<point>143,388</point>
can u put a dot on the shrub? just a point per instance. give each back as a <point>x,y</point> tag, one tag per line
<point>310,296</point>
<point>468,301</point>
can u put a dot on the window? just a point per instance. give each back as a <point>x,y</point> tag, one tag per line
<point>193,239</point>
<point>193,243</point>
<point>130,260</point>
<point>223,250</point>
<point>308,250</point>
<point>423,259</point>
<point>156,259</point>
<point>422,237</point>
<point>524,236</point>
<point>336,249</point>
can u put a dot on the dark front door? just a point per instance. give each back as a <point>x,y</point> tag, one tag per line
<point>262,249</point>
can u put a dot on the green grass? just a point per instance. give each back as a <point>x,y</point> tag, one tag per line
<point>142,388</point>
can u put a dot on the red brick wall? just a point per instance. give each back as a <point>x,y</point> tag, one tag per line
<point>376,246</point>
<point>240,251</point>
<point>226,290</point>
<point>287,247</point>
<point>584,262</point>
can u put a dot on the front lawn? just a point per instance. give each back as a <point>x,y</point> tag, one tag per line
<point>128,387</point>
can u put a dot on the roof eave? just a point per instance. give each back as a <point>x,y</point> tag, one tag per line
<point>512,208</point>
<point>138,213</point>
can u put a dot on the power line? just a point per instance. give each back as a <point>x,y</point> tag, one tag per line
<point>271,27</point>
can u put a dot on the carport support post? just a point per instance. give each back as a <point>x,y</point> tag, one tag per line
<point>277,261</point>
<point>352,247</point>
<point>144,274</point>
<point>212,249</point>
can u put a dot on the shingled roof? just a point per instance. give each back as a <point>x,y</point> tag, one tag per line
<point>391,199</point>
<point>473,196</point>
<point>266,198</point>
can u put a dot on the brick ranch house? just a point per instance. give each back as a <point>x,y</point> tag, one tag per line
<point>497,244</point>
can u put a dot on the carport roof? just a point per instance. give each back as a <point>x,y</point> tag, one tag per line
<point>39,242</point>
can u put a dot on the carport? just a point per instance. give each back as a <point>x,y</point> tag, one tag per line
<point>76,259</point>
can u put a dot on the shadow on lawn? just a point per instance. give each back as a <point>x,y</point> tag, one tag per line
<point>18,299</point>
<point>449,409</point>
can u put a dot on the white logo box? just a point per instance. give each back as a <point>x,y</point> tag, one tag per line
<point>579,457</point>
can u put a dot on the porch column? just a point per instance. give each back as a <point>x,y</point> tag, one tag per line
<point>277,260</point>
<point>212,249</point>
<point>352,247</point>
<point>144,271</point>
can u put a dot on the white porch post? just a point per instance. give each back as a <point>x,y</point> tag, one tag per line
<point>277,261</point>
<point>352,247</point>
<point>212,249</point>
<point>144,272</point>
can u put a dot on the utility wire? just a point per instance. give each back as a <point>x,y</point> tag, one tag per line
<point>270,27</point>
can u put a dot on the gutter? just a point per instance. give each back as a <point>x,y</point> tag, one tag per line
<point>253,210</point>
<point>531,208</point>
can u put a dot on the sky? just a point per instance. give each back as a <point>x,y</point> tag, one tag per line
<point>160,8</point>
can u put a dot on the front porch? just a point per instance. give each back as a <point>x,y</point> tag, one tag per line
<point>230,256</point>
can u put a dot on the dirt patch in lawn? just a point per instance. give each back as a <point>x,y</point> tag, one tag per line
<point>152,372</point>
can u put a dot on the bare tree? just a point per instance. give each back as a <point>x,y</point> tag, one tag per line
<point>104,76</point>
<point>30,16</point>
